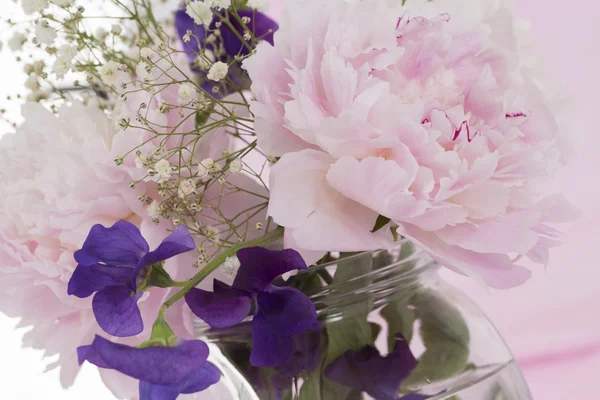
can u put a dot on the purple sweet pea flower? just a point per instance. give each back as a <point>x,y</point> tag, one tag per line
<point>281,312</point>
<point>164,372</point>
<point>380,377</point>
<point>261,26</point>
<point>112,261</point>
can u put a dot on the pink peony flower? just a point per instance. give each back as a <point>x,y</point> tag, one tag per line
<point>421,115</point>
<point>59,179</point>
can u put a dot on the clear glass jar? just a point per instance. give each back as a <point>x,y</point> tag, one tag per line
<point>371,307</point>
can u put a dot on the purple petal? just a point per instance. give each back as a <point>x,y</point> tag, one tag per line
<point>268,349</point>
<point>91,278</point>
<point>88,353</point>
<point>260,266</point>
<point>149,391</point>
<point>116,311</point>
<point>157,365</point>
<point>260,24</point>
<point>307,353</point>
<point>220,309</point>
<point>184,23</point>
<point>366,370</point>
<point>122,244</point>
<point>198,381</point>
<point>287,311</point>
<point>179,241</point>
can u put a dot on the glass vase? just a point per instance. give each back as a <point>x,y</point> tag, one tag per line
<point>391,329</point>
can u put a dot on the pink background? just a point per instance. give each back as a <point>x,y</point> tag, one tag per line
<point>552,323</point>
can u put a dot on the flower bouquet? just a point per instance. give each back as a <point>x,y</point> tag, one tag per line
<point>207,201</point>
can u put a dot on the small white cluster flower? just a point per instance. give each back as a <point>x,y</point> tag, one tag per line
<point>143,70</point>
<point>187,37</point>
<point>206,167</point>
<point>200,12</point>
<point>44,33</point>
<point>212,234</point>
<point>187,93</point>
<point>235,166</point>
<point>32,6</point>
<point>154,210</point>
<point>206,59</point>
<point>101,34</point>
<point>186,188</point>
<point>218,71</point>
<point>141,160</point>
<point>219,4</point>
<point>16,41</point>
<point>259,5</point>
<point>163,170</point>
<point>146,52</point>
<point>62,3</point>
<point>32,83</point>
<point>111,74</point>
<point>64,59</point>
<point>116,29</point>
<point>231,266</point>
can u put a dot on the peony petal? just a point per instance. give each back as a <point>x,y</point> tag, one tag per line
<point>496,270</point>
<point>379,184</point>
<point>297,183</point>
<point>260,266</point>
<point>117,312</point>
<point>507,233</point>
<point>89,279</point>
<point>268,349</point>
<point>122,244</point>
<point>219,310</point>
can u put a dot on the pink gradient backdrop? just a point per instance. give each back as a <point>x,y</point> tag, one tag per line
<point>552,323</point>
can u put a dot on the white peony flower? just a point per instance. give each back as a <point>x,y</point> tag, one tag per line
<point>200,12</point>
<point>218,71</point>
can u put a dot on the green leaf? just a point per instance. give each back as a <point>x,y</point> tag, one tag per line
<point>446,337</point>
<point>400,319</point>
<point>350,330</point>
<point>203,115</point>
<point>158,276</point>
<point>380,223</point>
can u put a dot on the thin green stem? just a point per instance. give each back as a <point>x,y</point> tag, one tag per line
<point>216,263</point>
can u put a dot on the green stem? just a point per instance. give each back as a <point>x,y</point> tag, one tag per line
<point>216,263</point>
